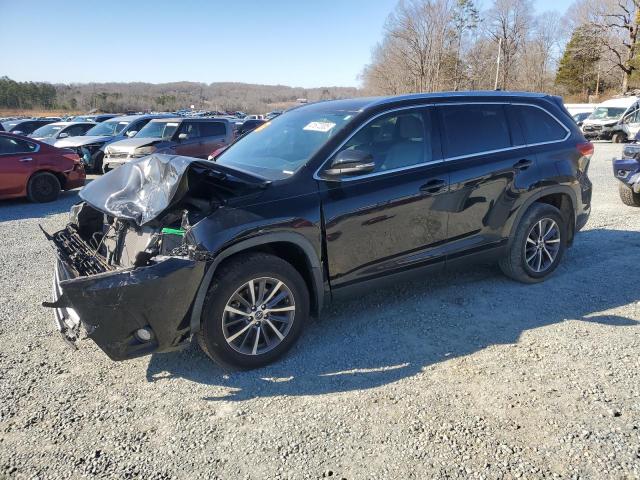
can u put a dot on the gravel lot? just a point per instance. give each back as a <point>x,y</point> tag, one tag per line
<point>467,375</point>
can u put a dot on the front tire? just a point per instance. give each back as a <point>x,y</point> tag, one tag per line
<point>255,310</point>
<point>628,196</point>
<point>538,245</point>
<point>43,187</point>
<point>619,138</point>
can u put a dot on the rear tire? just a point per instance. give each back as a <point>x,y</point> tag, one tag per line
<point>228,338</point>
<point>527,259</point>
<point>628,196</point>
<point>43,187</point>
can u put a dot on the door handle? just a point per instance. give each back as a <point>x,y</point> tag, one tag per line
<point>523,164</point>
<point>28,159</point>
<point>433,186</point>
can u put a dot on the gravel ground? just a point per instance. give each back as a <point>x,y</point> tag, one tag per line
<point>467,375</point>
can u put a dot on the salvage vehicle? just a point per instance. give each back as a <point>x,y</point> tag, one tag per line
<point>627,170</point>
<point>36,170</point>
<point>605,121</point>
<point>53,132</point>
<point>25,126</point>
<point>324,201</point>
<point>91,146</point>
<point>193,137</point>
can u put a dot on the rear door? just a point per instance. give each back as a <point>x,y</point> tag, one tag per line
<point>214,136</point>
<point>489,168</point>
<point>390,220</point>
<point>18,160</point>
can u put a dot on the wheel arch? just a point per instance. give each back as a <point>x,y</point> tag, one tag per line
<point>560,196</point>
<point>61,178</point>
<point>291,247</point>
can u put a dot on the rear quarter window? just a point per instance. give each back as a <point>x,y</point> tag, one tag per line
<point>538,126</point>
<point>471,129</point>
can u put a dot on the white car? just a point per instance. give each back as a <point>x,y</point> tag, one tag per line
<point>607,120</point>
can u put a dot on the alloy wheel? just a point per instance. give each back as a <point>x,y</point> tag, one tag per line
<point>542,245</point>
<point>258,316</point>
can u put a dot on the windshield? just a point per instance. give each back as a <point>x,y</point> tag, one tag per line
<point>164,130</point>
<point>607,113</point>
<point>277,149</point>
<point>107,129</point>
<point>47,131</point>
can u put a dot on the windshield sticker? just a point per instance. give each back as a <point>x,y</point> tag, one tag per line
<point>323,127</point>
<point>169,124</point>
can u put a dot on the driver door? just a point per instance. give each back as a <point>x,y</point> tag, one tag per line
<point>393,218</point>
<point>631,124</point>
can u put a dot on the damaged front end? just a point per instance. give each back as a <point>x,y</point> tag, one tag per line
<point>125,272</point>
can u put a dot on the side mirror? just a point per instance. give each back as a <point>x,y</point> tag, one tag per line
<point>63,135</point>
<point>351,162</point>
<point>183,136</point>
<point>131,133</point>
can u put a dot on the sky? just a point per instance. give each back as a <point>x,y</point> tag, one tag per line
<point>303,43</point>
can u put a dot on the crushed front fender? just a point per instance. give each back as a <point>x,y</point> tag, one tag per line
<point>113,306</point>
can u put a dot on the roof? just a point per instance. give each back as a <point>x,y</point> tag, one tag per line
<point>182,119</point>
<point>362,103</point>
<point>64,124</point>
<point>131,118</point>
<point>619,102</point>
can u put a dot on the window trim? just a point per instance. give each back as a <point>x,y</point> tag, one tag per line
<point>317,176</point>
<point>444,159</point>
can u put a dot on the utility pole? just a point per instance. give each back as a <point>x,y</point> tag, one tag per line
<point>495,87</point>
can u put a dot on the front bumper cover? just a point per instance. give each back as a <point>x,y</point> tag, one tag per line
<point>110,307</point>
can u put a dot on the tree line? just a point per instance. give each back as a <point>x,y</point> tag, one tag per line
<point>122,97</point>
<point>435,45</point>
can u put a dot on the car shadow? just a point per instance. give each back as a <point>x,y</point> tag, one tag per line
<point>394,333</point>
<point>21,208</point>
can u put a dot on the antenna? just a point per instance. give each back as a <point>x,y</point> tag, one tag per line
<point>495,87</point>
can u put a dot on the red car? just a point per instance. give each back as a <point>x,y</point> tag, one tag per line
<point>36,170</point>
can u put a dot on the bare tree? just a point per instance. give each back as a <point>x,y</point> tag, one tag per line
<point>509,22</point>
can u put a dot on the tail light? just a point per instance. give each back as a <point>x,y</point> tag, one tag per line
<point>585,149</point>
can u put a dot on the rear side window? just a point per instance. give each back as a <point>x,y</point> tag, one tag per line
<point>212,129</point>
<point>539,126</point>
<point>10,146</point>
<point>473,129</point>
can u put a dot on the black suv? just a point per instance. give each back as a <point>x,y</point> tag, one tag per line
<point>324,199</point>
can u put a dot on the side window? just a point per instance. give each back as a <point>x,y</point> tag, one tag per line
<point>212,129</point>
<point>10,146</point>
<point>538,126</point>
<point>471,129</point>
<point>395,140</point>
<point>75,130</point>
<point>138,125</point>
<point>191,129</point>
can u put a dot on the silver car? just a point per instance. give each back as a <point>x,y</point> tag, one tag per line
<point>91,146</point>
<point>53,132</point>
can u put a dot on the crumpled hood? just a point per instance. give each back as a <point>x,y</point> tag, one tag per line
<point>143,189</point>
<point>82,140</point>
<point>600,121</point>
<point>130,144</point>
